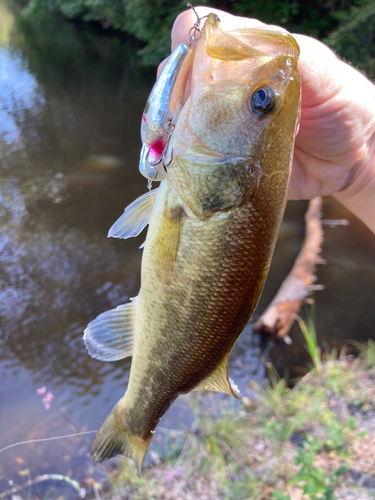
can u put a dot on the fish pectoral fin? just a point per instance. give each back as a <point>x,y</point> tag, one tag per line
<point>109,337</point>
<point>135,218</point>
<point>219,381</point>
<point>114,437</point>
<point>166,243</point>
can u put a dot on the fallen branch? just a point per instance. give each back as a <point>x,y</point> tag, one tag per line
<point>295,289</point>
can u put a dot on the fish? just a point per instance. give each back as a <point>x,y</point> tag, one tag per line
<point>161,111</point>
<point>213,223</point>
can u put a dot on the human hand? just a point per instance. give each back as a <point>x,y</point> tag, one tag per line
<point>335,145</point>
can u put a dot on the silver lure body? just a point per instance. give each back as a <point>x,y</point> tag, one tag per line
<point>162,109</point>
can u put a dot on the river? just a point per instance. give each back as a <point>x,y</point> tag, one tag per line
<point>71,98</point>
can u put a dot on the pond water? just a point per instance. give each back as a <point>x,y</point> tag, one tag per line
<point>70,105</point>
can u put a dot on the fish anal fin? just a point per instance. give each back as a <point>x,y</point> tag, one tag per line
<point>166,243</point>
<point>135,218</point>
<point>109,337</point>
<point>219,381</point>
<point>115,438</point>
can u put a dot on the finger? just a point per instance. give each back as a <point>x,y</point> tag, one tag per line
<point>318,66</point>
<point>161,67</point>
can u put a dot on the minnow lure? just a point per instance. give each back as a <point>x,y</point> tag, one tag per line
<point>163,107</point>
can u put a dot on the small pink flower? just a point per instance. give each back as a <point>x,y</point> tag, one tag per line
<point>47,400</point>
<point>41,390</point>
<point>172,473</point>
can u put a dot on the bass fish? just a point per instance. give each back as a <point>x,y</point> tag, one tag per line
<point>213,223</point>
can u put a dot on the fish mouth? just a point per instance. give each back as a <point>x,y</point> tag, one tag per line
<point>268,42</point>
<point>247,43</point>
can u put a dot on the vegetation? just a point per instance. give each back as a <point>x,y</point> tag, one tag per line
<point>288,444</point>
<point>348,26</point>
<point>314,441</point>
<point>148,21</point>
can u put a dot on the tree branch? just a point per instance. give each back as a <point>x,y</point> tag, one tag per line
<point>281,313</point>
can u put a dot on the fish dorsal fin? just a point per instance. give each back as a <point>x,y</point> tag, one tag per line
<point>218,381</point>
<point>109,337</point>
<point>166,242</point>
<point>135,218</point>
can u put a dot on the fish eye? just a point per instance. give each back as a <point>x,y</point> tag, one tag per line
<point>264,99</point>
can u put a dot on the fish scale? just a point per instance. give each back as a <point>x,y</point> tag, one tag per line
<point>213,224</point>
<point>213,339</point>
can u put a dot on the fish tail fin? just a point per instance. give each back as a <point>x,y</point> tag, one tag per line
<point>114,437</point>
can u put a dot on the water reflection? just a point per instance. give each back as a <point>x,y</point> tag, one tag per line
<point>69,155</point>
<point>19,94</point>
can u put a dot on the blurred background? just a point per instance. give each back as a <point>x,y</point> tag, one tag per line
<point>74,78</point>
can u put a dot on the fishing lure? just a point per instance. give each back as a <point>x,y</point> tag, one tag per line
<point>163,107</point>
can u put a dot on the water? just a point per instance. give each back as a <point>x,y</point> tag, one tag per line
<point>70,105</point>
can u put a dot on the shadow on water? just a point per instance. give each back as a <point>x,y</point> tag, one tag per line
<point>70,102</point>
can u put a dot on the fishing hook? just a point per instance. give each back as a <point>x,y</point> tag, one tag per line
<point>163,156</point>
<point>195,28</point>
<point>152,164</point>
<point>169,128</point>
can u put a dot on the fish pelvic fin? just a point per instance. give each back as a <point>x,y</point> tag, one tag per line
<point>114,438</point>
<point>219,381</point>
<point>167,242</point>
<point>110,336</point>
<point>136,217</point>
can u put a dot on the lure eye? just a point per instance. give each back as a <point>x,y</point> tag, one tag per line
<point>264,99</point>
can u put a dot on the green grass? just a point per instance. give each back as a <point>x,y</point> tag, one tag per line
<point>249,452</point>
<point>367,353</point>
<point>309,333</point>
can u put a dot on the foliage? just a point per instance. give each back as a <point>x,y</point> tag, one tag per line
<point>294,432</point>
<point>314,481</point>
<point>148,21</point>
<point>354,37</point>
<point>312,17</point>
<point>308,331</point>
<point>215,448</point>
<point>348,26</point>
<point>63,57</point>
<point>367,353</point>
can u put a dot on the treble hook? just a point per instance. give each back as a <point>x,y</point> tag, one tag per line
<point>169,126</point>
<point>152,164</point>
<point>164,155</point>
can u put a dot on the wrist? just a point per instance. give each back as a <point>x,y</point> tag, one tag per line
<point>358,195</point>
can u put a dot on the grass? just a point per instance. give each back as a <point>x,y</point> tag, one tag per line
<point>367,353</point>
<point>284,444</point>
<point>309,333</point>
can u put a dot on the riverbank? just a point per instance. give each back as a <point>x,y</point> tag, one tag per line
<point>316,440</point>
<point>336,23</point>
